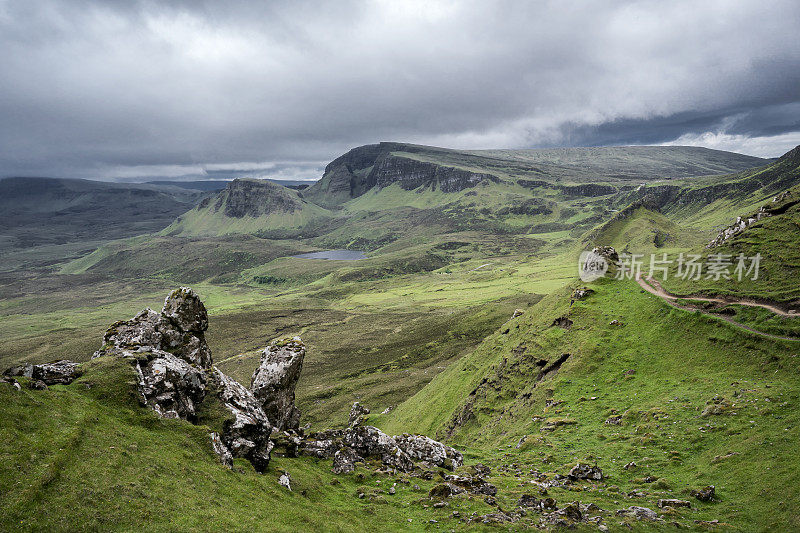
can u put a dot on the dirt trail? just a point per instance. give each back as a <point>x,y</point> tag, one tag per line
<point>654,287</point>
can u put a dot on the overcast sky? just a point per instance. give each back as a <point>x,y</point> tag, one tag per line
<point>132,90</point>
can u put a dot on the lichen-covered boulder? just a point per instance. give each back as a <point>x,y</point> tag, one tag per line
<point>473,484</point>
<point>246,433</point>
<point>275,379</point>
<point>57,373</point>
<point>369,441</point>
<point>427,450</point>
<point>357,412</point>
<point>178,329</point>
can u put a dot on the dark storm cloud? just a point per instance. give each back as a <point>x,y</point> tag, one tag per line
<point>145,89</point>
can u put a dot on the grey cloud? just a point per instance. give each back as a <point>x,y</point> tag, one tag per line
<point>100,89</point>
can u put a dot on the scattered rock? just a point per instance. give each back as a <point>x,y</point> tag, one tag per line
<point>11,381</point>
<point>630,465</point>
<point>357,412</point>
<point>58,373</point>
<point>615,322</point>
<point>481,469</point>
<point>706,494</point>
<point>608,253</point>
<point>581,292</point>
<point>473,484</point>
<point>673,503</point>
<point>640,513</point>
<point>344,461</point>
<point>716,406</point>
<point>615,420</point>
<point>275,379</point>
<point>427,450</point>
<point>370,441</point>
<point>585,471</point>
<point>529,500</point>
<point>285,480</point>
<point>440,491</point>
<point>739,226</point>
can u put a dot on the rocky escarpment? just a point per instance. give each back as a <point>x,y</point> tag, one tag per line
<point>379,165</point>
<point>176,379</point>
<point>410,174</point>
<point>252,198</point>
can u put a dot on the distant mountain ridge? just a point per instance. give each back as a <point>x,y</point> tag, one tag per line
<point>39,211</point>
<point>412,166</point>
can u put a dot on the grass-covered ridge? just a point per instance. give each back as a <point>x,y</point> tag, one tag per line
<point>630,355</point>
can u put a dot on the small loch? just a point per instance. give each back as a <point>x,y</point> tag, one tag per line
<point>334,255</point>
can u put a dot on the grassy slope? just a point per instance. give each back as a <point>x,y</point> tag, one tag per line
<point>77,458</point>
<point>680,361</point>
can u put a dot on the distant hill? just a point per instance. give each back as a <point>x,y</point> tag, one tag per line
<point>246,206</point>
<point>218,185</point>
<point>48,211</point>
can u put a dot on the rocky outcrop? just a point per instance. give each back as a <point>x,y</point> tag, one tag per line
<point>178,329</point>
<point>275,379</point>
<point>737,227</point>
<point>172,362</point>
<point>357,412</point>
<point>56,373</point>
<point>429,451</point>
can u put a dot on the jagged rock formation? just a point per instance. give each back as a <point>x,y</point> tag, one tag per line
<point>179,329</point>
<point>247,433</point>
<point>173,361</point>
<point>274,381</point>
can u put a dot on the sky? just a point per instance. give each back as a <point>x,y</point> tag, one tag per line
<point>134,90</point>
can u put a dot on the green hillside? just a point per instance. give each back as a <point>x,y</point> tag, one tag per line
<point>461,324</point>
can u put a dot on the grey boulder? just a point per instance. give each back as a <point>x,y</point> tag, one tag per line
<point>275,379</point>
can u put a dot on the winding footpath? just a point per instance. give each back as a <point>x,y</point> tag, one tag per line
<point>654,287</point>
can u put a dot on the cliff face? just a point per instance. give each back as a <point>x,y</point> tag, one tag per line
<point>411,174</point>
<point>247,197</point>
<point>375,165</point>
